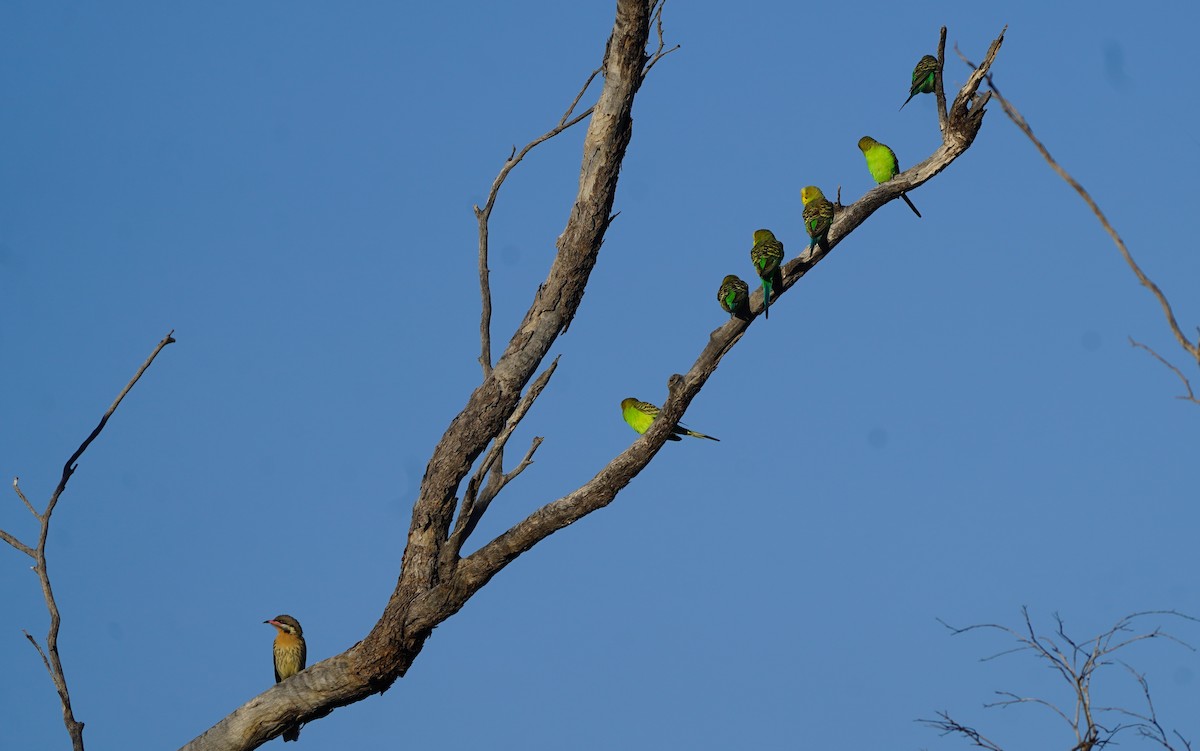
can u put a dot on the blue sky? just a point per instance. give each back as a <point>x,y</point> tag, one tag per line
<point>960,427</point>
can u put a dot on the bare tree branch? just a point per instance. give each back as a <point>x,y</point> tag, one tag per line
<point>424,596</point>
<point>18,544</point>
<point>483,215</point>
<point>1192,348</point>
<point>1149,727</point>
<point>1190,396</point>
<point>434,583</point>
<point>948,726</point>
<point>50,656</point>
<point>21,495</point>
<point>660,52</point>
<point>1077,666</point>
<point>475,503</point>
<point>601,489</point>
<point>939,83</point>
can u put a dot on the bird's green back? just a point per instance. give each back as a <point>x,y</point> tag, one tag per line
<point>732,293</point>
<point>881,161</point>
<point>923,76</point>
<point>766,254</point>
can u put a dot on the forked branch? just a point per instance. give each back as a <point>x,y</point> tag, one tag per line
<point>49,655</point>
<point>1077,664</point>
<point>434,583</point>
<point>965,119</point>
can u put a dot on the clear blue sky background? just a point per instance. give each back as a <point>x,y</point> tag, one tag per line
<point>960,425</point>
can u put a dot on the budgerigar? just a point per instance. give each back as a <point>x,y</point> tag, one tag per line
<point>766,254</point>
<point>818,215</point>
<point>734,296</point>
<point>881,162</point>
<point>923,78</point>
<point>640,414</point>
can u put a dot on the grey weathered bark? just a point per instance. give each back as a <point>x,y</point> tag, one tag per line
<point>434,582</point>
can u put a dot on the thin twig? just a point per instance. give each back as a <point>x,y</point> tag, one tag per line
<point>496,483</point>
<point>1077,666</point>
<point>69,467</point>
<point>938,84</point>
<point>475,503</point>
<point>659,54</point>
<point>1192,348</point>
<point>38,647</point>
<point>21,495</point>
<point>482,215</point>
<point>1014,699</point>
<point>948,725</point>
<point>50,656</point>
<point>1190,396</point>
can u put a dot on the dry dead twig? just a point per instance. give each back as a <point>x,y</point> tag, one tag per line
<point>1076,663</point>
<point>1192,348</point>
<point>49,655</point>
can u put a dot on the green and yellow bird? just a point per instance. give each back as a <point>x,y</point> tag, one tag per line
<point>818,216</point>
<point>290,653</point>
<point>640,414</point>
<point>766,254</point>
<point>734,296</point>
<point>923,78</point>
<point>882,164</point>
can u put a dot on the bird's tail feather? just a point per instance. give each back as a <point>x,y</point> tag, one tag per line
<point>910,205</point>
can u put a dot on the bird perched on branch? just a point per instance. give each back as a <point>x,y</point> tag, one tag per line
<point>290,653</point>
<point>734,296</point>
<point>766,254</point>
<point>640,415</point>
<point>923,78</point>
<point>818,216</point>
<point>882,164</point>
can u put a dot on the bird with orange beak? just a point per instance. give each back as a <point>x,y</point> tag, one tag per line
<point>290,653</point>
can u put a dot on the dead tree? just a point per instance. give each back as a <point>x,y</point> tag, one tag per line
<point>1091,725</point>
<point>466,469</point>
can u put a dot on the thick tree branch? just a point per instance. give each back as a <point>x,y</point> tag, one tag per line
<point>479,567</point>
<point>1192,348</point>
<point>50,656</point>
<point>434,584</point>
<point>423,597</point>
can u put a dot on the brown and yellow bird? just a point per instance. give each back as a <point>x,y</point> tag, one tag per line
<point>290,653</point>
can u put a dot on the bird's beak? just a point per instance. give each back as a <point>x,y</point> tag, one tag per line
<point>273,623</point>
